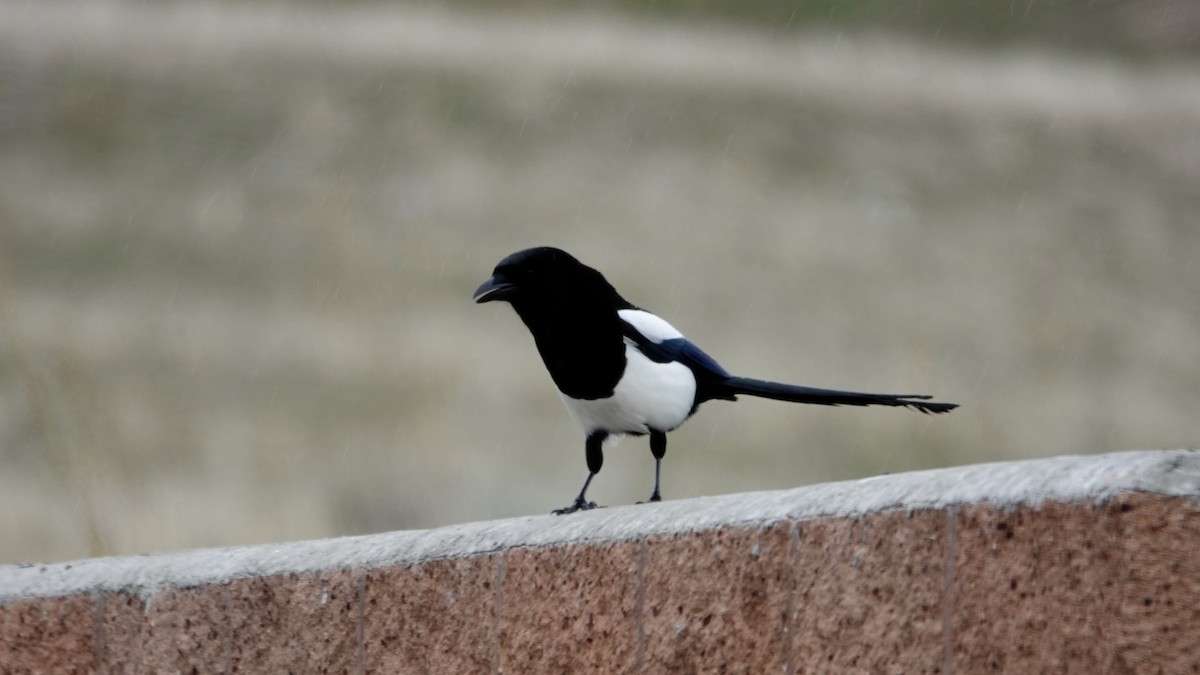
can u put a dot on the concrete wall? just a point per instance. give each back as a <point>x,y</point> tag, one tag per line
<point>1070,564</point>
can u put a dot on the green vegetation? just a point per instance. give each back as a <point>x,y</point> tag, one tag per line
<point>1141,27</point>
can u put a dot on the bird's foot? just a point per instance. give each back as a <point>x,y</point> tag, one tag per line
<point>653,498</point>
<point>579,505</point>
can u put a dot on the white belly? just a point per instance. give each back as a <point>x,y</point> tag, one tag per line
<point>650,397</point>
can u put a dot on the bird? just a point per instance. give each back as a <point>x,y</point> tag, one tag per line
<point>624,371</point>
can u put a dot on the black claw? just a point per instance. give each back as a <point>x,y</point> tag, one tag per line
<point>653,498</point>
<point>579,505</point>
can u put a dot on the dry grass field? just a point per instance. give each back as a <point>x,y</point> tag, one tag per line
<point>238,242</point>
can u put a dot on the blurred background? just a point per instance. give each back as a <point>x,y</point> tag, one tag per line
<point>238,242</point>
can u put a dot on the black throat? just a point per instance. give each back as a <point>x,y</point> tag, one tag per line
<point>580,342</point>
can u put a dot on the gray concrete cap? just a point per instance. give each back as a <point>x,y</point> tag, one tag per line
<point>1006,484</point>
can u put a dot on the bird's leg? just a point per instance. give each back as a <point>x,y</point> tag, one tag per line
<point>658,448</point>
<point>580,504</point>
<point>594,448</point>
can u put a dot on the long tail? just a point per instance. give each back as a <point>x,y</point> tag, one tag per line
<point>798,394</point>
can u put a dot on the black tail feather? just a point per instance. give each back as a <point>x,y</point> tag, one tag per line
<point>797,394</point>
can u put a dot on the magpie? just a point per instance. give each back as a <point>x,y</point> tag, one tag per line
<point>621,370</point>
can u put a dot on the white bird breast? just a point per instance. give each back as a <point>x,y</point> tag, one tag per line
<point>650,396</point>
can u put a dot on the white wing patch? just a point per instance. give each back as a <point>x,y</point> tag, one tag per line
<point>652,326</point>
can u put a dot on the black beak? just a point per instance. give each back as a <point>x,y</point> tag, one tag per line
<point>494,289</point>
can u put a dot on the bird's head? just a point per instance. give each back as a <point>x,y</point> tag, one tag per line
<point>543,277</point>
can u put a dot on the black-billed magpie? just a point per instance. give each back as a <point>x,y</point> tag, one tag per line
<point>622,370</point>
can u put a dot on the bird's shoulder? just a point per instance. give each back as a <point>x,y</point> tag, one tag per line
<point>663,343</point>
<point>640,325</point>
